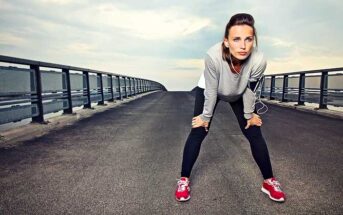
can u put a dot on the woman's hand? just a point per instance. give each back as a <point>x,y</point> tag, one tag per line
<point>254,120</point>
<point>198,122</point>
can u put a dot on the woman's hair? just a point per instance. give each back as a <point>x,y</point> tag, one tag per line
<point>238,19</point>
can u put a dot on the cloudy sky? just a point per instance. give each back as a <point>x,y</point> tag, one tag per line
<point>166,40</point>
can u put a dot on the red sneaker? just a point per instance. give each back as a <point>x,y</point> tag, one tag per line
<point>183,189</point>
<point>272,188</point>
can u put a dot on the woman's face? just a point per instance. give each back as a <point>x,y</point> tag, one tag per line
<point>240,41</point>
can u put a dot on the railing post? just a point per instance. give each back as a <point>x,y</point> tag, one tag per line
<point>284,88</point>
<point>301,88</point>
<point>38,80</point>
<point>323,90</point>
<point>69,110</point>
<point>128,89</point>
<point>130,86</point>
<point>111,87</point>
<point>102,101</point>
<point>125,87</point>
<point>129,82</point>
<point>262,87</point>
<point>272,88</point>
<point>119,87</point>
<point>87,91</point>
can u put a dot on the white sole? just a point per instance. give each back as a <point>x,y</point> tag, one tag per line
<point>268,193</point>
<point>183,199</point>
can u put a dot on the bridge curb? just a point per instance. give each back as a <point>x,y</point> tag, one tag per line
<point>12,137</point>
<point>309,109</point>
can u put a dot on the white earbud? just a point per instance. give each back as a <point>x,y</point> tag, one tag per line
<point>226,44</point>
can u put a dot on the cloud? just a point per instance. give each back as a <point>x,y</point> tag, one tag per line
<point>159,24</point>
<point>11,39</point>
<point>277,42</point>
<point>79,48</point>
<point>302,58</point>
<point>58,2</point>
<point>189,64</point>
<point>4,5</point>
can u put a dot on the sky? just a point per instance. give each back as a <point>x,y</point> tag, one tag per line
<point>166,40</point>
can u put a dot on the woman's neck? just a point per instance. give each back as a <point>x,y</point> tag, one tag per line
<point>235,61</point>
<point>235,64</point>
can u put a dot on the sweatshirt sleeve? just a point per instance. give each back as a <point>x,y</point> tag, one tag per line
<point>211,87</point>
<point>249,97</point>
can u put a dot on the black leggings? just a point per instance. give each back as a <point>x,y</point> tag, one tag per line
<point>253,134</point>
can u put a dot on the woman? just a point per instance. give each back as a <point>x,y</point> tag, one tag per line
<point>232,69</point>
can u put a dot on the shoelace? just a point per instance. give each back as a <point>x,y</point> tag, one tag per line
<point>181,185</point>
<point>276,185</point>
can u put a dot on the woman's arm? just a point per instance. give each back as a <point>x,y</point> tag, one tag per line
<point>249,97</point>
<point>211,88</point>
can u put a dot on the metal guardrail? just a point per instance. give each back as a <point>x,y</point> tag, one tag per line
<point>35,91</point>
<point>316,86</point>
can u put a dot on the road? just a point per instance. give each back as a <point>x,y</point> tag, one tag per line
<point>126,161</point>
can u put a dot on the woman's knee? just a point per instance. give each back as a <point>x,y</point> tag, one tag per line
<point>200,131</point>
<point>252,132</point>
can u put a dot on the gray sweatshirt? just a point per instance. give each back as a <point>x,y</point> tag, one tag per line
<point>218,81</point>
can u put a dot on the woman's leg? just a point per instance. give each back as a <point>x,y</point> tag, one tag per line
<point>257,143</point>
<point>196,136</point>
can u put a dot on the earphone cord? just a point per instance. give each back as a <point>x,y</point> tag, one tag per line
<point>258,99</point>
<point>239,74</point>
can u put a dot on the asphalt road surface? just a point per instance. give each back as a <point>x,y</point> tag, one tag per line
<point>126,161</point>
